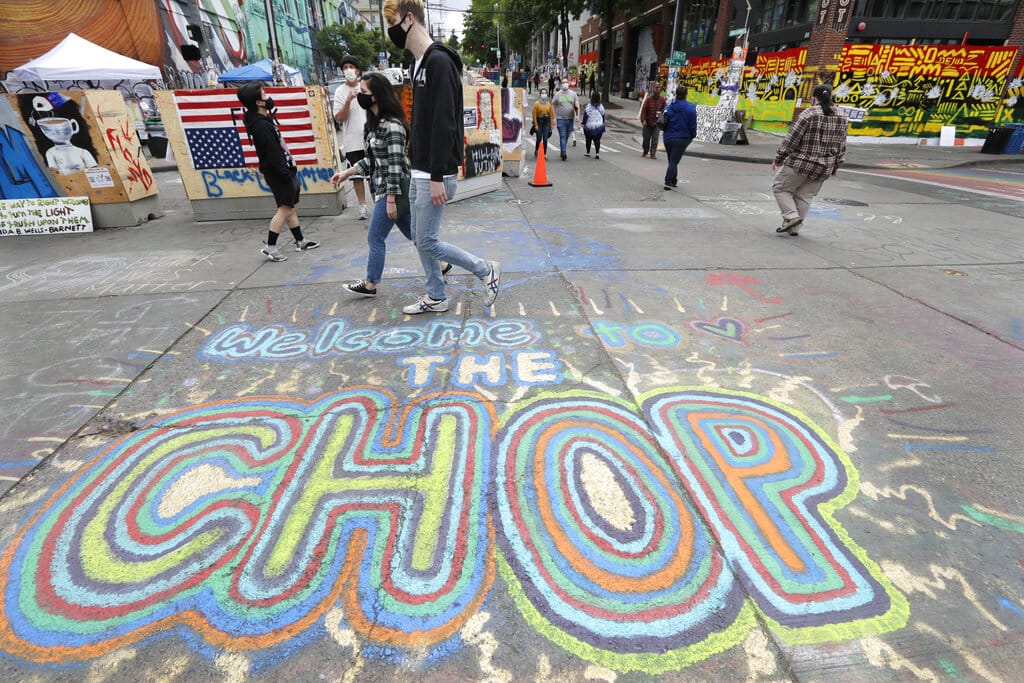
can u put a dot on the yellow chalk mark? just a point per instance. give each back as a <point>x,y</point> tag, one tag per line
<point>458,309</point>
<point>679,306</point>
<point>197,327</point>
<point>909,583</point>
<point>170,669</point>
<point>554,311</point>
<point>597,310</point>
<point>473,634</point>
<point>522,309</point>
<point>256,383</point>
<point>159,353</point>
<point>875,493</point>
<point>113,379</point>
<point>882,655</point>
<point>846,428</point>
<point>635,307</point>
<point>234,666</point>
<point>50,439</point>
<point>599,673</point>
<point>334,309</point>
<point>962,649</point>
<point>706,374</point>
<point>373,315</point>
<point>345,637</point>
<point>782,392</point>
<point>883,523</point>
<point>836,390</point>
<point>290,385</point>
<point>760,660</point>
<point>725,303</point>
<point>245,314</point>
<point>105,667</point>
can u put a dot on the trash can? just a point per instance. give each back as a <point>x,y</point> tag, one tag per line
<point>157,144</point>
<point>730,132</point>
<point>1016,142</point>
<point>997,140</point>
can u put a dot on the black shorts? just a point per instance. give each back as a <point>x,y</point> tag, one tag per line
<point>355,157</point>
<point>285,188</point>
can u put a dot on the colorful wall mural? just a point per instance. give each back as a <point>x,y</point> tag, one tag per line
<point>901,90</point>
<point>223,25</point>
<point>78,143</point>
<point>294,33</point>
<point>914,90</point>
<point>770,89</point>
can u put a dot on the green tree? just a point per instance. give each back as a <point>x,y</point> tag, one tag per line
<point>556,15</point>
<point>519,25</point>
<point>453,41</point>
<point>480,32</point>
<point>338,40</point>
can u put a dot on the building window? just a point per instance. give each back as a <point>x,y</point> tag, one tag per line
<point>697,27</point>
<point>941,10</point>
<point>777,14</point>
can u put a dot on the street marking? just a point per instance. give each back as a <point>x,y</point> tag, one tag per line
<point>927,438</point>
<point>947,186</point>
<point>866,399</point>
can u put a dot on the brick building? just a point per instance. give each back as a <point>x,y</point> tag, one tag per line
<point>642,38</point>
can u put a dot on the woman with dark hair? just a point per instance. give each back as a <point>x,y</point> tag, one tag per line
<point>387,165</point>
<point>810,153</point>
<point>680,130</point>
<point>593,124</point>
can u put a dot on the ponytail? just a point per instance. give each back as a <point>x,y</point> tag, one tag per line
<point>823,94</point>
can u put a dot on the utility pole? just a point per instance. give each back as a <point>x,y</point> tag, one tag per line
<point>275,51</point>
<point>498,17</point>
<point>383,31</point>
<point>675,25</point>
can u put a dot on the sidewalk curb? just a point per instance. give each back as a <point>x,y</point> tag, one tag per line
<point>725,156</point>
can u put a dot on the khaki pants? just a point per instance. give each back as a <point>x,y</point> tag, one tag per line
<point>794,192</point>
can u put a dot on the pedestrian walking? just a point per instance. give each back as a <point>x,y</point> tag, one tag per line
<point>543,115</point>
<point>650,110</point>
<point>387,165</point>
<point>536,80</point>
<point>593,124</point>
<point>811,152</point>
<point>551,84</point>
<point>567,108</point>
<point>680,130</point>
<point>593,82</point>
<point>277,166</point>
<point>436,153</point>
<point>353,121</point>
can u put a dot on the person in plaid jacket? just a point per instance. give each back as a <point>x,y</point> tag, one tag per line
<point>387,165</point>
<point>650,110</point>
<point>810,153</point>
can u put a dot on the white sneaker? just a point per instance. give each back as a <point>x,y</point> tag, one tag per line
<point>491,283</point>
<point>273,253</point>
<point>426,305</point>
<point>362,212</point>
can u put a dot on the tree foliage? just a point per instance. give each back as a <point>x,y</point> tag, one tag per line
<point>338,40</point>
<point>607,9</point>
<point>555,15</point>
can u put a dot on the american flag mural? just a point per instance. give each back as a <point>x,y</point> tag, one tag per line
<point>214,125</point>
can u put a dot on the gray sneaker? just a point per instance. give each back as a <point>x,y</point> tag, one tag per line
<point>306,245</point>
<point>273,253</point>
<point>426,305</point>
<point>491,284</point>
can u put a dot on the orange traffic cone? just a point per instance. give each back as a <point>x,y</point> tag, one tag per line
<point>540,173</point>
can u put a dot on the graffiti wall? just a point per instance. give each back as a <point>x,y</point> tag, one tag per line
<point>223,24</point>
<point>215,158</point>
<point>1013,105</point>
<point>702,78</point>
<point>513,117</point>
<point>770,87</point>
<point>72,143</point>
<point>914,90</point>
<point>484,129</point>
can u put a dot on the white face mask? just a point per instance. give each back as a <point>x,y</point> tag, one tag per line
<point>565,86</point>
<point>543,95</point>
<point>350,74</point>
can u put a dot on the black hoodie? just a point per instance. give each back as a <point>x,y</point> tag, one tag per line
<point>436,140</point>
<point>274,158</point>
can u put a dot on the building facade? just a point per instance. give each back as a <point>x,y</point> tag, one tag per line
<point>907,67</point>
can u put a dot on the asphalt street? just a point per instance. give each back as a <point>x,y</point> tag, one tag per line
<point>679,446</point>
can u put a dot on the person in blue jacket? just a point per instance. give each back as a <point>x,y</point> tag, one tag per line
<point>680,130</point>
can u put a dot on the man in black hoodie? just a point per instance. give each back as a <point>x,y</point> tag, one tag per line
<point>436,153</point>
<point>277,167</point>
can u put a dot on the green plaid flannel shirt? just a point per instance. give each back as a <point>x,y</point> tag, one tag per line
<point>386,161</point>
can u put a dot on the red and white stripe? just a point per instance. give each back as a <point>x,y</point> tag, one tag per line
<point>220,108</point>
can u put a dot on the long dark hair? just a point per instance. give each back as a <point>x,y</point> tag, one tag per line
<point>823,94</point>
<point>388,106</point>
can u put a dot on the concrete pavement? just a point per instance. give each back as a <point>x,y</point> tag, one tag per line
<point>679,446</point>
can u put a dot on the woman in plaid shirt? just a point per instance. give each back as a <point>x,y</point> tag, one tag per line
<point>810,153</point>
<point>387,166</point>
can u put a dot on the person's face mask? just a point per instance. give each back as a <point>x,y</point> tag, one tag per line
<point>269,104</point>
<point>565,86</point>
<point>365,100</point>
<point>350,74</point>
<point>398,35</point>
<point>543,95</point>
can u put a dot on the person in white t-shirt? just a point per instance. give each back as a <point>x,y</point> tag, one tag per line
<point>352,119</point>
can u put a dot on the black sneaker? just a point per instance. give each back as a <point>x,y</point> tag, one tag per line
<point>447,267</point>
<point>359,289</point>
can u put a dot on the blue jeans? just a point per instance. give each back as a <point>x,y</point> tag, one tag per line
<point>426,228</point>
<point>380,227</point>
<point>675,147</point>
<point>564,131</point>
<point>543,133</point>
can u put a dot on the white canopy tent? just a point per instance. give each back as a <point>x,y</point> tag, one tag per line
<point>75,58</point>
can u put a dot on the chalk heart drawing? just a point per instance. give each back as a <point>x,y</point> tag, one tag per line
<point>247,520</point>
<point>727,328</point>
